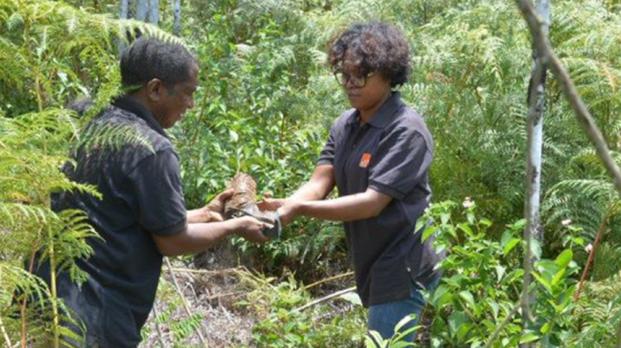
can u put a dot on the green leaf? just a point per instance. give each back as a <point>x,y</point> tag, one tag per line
<point>535,248</point>
<point>467,296</point>
<point>441,296</point>
<point>529,337</point>
<point>352,298</point>
<point>428,232</point>
<point>456,320</point>
<point>233,136</point>
<point>374,340</point>
<point>543,282</point>
<point>510,245</point>
<point>466,229</point>
<point>564,258</point>
<point>407,319</point>
<point>558,277</point>
<point>500,272</point>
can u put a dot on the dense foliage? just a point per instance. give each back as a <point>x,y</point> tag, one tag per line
<point>264,105</point>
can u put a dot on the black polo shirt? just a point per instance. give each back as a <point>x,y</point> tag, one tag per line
<point>390,154</point>
<point>138,175</point>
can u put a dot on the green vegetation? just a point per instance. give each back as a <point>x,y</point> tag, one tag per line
<point>264,105</point>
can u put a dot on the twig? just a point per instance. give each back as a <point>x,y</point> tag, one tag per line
<point>23,307</point>
<point>186,306</point>
<point>585,272</point>
<point>504,323</point>
<point>157,327</point>
<point>325,298</point>
<point>328,279</point>
<point>4,333</point>
<point>226,294</point>
<point>569,90</point>
<point>204,271</point>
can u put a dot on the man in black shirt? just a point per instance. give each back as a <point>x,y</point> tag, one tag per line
<point>142,214</point>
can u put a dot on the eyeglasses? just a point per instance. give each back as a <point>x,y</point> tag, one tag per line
<point>356,81</point>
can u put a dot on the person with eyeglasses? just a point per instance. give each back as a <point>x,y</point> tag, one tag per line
<point>378,155</point>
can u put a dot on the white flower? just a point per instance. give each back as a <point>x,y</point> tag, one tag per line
<point>566,222</point>
<point>588,248</point>
<point>468,202</point>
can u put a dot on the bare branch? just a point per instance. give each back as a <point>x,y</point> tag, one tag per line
<point>186,306</point>
<point>569,90</point>
<point>325,298</point>
<point>319,282</point>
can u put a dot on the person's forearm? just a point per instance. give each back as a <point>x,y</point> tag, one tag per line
<point>348,208</point>
<point>197,237</point>
<point>310,191</point>
<point>196,215</point>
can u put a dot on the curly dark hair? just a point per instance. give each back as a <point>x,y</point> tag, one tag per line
<point>149,58</point>
<point>374,46</point>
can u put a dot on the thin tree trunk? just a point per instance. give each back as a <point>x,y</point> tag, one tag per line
<point>536,108</point>
<point>176,7</point>
<point>123,14</point>
<point>571,93</point>
<point>154,12</point>
<point>142,8</point>
<point>592,253</point>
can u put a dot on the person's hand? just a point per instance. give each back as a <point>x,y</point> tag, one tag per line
<point>288,211</point>
<point>270,204</point>
<point>212,211</point>
<point>250,229</point>
<point>217,204</point>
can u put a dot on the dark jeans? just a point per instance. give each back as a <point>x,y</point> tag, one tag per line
<point>100,319</point>
<point>385,316</point>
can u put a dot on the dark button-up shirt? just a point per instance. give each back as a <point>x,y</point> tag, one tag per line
<point>390,154</point>
<point>137,173</point>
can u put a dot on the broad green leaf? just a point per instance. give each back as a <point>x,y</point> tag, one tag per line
<point>529,337</point>
<point>545,328</point>
<point>543,282</point>
<point>500,272</point>
<point>467,296</point>
<point>373,339</point>
<point>428,232</point>
<point>535,248</point>
<point>352,298</point>
<point>233,136</point>
<point>404,321</point>
<point>564,258</point>
<point>558,277</point>
<point>510,245</point>
<point>456,320</point>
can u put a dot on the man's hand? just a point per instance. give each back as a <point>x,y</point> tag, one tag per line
<point>289,211</point>
<point>270,204</point>
<point>250,229</point>
<point>213,211</point>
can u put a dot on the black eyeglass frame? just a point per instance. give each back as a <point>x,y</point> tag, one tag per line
<point>356,81</point>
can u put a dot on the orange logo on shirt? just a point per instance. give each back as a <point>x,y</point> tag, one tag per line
<point>365,159</point>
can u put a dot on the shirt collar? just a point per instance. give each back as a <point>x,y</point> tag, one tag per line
<point>387,111</point>
<point>130,104</point>
<point>384,114</point>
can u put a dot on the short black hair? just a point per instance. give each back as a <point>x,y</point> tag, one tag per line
<point>375,46</point>
<point>148,58</point>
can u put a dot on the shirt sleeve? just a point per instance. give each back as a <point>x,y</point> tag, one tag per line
<point>326,156</point>
<point>401,162</point>
<point>157,186</point>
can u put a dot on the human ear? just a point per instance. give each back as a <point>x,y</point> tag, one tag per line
<point>154,89</point>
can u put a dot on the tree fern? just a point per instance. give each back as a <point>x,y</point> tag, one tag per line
<point>598,315</point>
<point>50,52</point>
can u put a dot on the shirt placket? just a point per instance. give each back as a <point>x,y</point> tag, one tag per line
<point>356,135</point>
